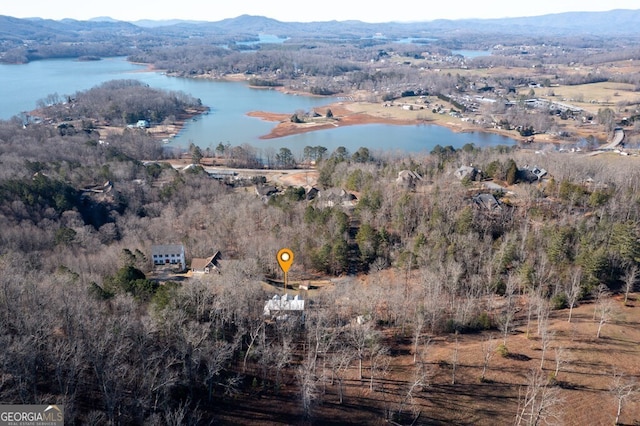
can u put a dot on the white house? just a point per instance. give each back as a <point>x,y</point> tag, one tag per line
<point>281,307</point>
<point>169,254</point>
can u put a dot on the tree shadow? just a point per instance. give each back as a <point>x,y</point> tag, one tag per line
<point>518,357</point>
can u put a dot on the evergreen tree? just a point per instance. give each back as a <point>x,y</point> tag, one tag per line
<point>512,172</point>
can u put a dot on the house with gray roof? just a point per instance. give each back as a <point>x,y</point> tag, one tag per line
<point>487,201</point>
<point>168,254</point>
<point>408,179</point>
<point>468,172</point>
<point>336,197</point>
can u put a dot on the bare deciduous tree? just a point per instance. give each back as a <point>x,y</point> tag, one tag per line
<point>360,338</point>
<point>418,325</point>
<point>541,403</point>
<point>340,360</point>
<point>600,293</point>
<point>488,346</point>
<point>419,382</point>
<point>506,317</point>
<point>573,290</point>
<point>543,310</point>
<point>622,388</point>
<point>546,336</point>
<point>605,310</point>
<point>561,357</point>
<point>454,360</point>
<point>308,385</point>
<point>630,278</point>
<point>379,360</point>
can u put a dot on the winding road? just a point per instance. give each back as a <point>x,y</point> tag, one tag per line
<point>618,137</point>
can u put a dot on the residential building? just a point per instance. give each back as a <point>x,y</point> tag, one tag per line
<point>282,307</point>
<point>205,265</point>
<point>168,254</point>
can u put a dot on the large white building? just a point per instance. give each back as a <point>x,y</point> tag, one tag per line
<point>169,254</point>
<point>281,307</point>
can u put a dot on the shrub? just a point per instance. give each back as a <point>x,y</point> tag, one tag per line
<point>483,321</point>
<point>559,301</point>
<point>502,350</point>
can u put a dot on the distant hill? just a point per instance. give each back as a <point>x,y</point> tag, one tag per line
<point>619,23</point>
<point>596,23</point>
<point>615,22</point>
<point>149,23</point>
<point>33,28</point>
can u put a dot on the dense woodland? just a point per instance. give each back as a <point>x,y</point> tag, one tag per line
<point>85,323</point>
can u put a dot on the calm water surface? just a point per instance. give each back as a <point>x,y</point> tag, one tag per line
<point>472,53</point>
<point>227,122</point>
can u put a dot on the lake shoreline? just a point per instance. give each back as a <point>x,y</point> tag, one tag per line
<point>345,113</point>
<point>349,113</point>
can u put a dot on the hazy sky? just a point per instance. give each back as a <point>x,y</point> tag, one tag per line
<point>302,11</point>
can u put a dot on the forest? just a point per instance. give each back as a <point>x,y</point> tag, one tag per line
<point>86,325</point>
<point>460,286</point>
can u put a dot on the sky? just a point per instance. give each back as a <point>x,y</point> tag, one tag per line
<point>302,11</point>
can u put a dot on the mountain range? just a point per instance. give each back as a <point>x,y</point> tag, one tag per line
<point>616,22</point>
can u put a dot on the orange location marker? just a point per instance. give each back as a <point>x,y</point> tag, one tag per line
<point>285,259</point>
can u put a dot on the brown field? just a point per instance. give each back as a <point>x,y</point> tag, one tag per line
<point>591,97</point>
<point>582,383</point>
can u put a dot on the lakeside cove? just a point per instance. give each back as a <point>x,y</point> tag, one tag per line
<point>241,114</point>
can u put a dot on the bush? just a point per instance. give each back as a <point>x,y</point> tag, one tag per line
<point>559,301</point>
<point>451,326</point>
<point>483,321</point>
<point>502,350</point>
<point>387,97</point>
<point>499,287</point>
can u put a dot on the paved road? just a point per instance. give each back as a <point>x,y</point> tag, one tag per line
<point>618,137</point>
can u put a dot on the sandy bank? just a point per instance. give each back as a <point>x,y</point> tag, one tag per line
<point>352,114</point>
<point>342,116</point>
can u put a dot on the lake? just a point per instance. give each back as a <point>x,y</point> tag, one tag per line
<point>470,54</point>
<point>227,121</point>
